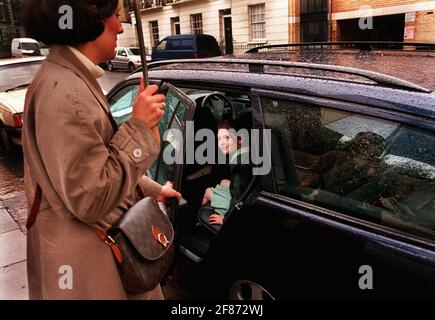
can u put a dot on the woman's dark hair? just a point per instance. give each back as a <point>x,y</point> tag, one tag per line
<point>41,20</point>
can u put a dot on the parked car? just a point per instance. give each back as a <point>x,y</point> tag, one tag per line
<point>15,77</point>
<point>364,227</point>
<point>21,47</point>
<point>186,46</point>
<point>45,51</point>
<point>126,58</point>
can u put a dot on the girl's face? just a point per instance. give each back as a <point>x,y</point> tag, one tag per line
<point>226,143</point>
<point>108,40</point>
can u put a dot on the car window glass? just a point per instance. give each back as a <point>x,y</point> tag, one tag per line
<point>122,53</point>
<point>14,75</point>
<point>187,44</point>
<point>134,51</point>
<point>367,167</point>
<point>121,105</point>
<point>31,47</point>
<point>161,46</point>
<point>174,44</point>
<point>170,127</point>
<point>207,44</point>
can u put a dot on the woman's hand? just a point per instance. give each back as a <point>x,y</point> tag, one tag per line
<point>167,192</point>
<point>216,219</point>
<point>148,106</point>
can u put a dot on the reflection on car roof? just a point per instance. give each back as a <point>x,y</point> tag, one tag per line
<point>5,62</point>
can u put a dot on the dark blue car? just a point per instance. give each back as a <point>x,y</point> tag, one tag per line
<point>189,46</point>
<point>347,209</point>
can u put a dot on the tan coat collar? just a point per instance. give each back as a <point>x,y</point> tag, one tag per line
<point>63,56</point>
<point>96,71</point>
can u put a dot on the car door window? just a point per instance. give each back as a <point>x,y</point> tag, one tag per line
<point>174,44</point>
<point>187,44</point>
<point>367,167</point>
<point>171,128</point>
<point>161,46</point>
<point>121,104</point>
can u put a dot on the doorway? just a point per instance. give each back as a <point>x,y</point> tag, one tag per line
<point>227,28</point>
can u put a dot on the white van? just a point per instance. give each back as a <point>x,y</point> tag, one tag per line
<point>21,47</point>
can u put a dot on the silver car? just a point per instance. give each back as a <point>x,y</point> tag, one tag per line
<point>126,58</point>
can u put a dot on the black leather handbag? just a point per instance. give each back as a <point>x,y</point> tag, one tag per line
<point>144,236</point>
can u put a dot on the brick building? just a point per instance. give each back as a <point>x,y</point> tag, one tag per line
<point>392,20</point>
<point>365,20</point>
<point>240,24</point>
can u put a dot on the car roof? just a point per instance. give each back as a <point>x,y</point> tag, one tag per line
<point>188,36</point>
<point>11,61</point>
<point>391,93</point>
<point>414,66</point>
<point>25,39</point>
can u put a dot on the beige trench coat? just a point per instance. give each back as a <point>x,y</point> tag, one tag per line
<point>88,176</point>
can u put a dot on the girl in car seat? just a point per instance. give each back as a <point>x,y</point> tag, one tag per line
<point>223,197</point>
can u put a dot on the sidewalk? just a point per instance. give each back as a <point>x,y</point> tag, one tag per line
<point>13,272</point>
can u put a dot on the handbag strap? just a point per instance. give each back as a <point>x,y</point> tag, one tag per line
<point>35,208</point>
<point>31,219</point>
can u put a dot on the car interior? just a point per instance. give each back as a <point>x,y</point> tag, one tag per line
<point>211,108</point>
<point>392,185</point>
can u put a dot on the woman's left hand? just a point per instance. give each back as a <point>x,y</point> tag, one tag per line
<point>167,192</point>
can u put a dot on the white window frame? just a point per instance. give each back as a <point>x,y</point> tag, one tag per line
<point>154,32</point>
<point>257,22</point>
<point>174,24</point>
<point>196,26</point>
<point>2,12</point>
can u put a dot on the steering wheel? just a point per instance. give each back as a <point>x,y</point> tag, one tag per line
<point>218,102</point>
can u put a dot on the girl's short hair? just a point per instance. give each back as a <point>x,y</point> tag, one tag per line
<point>41,20</point>
<point>227,124</point>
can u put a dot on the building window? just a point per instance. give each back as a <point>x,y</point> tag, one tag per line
<point>175,25</point>
<point>2,11</point>
<point>311,6</point>
<point>196,23</point>
<point>257,20</point>
<point>314,20</point>
<point>143,4</point>
<point>154,28</point>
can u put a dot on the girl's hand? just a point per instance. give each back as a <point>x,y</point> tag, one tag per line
<point>216,219</point>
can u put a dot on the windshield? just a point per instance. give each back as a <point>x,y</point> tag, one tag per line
<point>14,75</point>
<point>31,46</point>
<point>133,51</point>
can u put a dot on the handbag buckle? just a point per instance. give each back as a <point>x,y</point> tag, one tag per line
<point>160,236</point>
<point>163,240</point>
<point>109,240</point>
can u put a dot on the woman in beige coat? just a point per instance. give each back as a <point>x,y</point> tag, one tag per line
<point>87,173</point>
